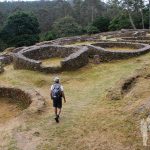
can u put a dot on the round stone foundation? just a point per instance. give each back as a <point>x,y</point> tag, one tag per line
<point>102,49</point>
<point>22,100</point>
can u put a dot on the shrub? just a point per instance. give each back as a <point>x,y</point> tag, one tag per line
<point>48,36</point>
<point>66,26</point>
<point>92,29</point>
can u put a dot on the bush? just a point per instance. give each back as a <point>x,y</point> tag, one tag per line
<point>101,23</point>
<point>20,29</point>
<point>48,36</point>
<point>92,29</point>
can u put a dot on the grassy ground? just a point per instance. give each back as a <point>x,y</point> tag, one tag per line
<point>81,43</point>
<point>8,109</point>
<point>88,121</point>
<point>120,48</point>
<point>52,62</point>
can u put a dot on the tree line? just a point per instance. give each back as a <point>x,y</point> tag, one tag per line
<point>47,20</point>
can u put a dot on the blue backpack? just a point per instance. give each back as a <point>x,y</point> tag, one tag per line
<point>56,91</point>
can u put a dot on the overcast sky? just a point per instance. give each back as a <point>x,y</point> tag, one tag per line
<point>31,0</point>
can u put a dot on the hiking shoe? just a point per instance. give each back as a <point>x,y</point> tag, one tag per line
<point>57,120</point>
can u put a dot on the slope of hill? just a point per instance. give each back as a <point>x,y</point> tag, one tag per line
<point>90,120</point>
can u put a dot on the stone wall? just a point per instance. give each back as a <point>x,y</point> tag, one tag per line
<point>119,44</point>
<point>21,62</point>
<point>107,55</point>
<point>136,38</point>
<point>74,57</point>
<point>6,59</point>
<point>96,37</point>
<point>30,58</point>
<point>76,60</point>
<point>75,39</point>
<point>48,51</point>
<point>77,56</point>
<point>31,100</point>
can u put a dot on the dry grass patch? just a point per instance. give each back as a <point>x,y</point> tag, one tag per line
<point>8,109</point>
<point>52,62</point>
<point>120,49</point>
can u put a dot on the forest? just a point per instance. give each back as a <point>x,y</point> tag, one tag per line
<point>60,18</point>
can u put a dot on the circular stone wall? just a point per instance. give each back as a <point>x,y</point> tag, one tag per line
<point>108,55</point>
<point>120,45</point>
<point>31,100</point>
<point>30,58</point>
<point>142,39</point>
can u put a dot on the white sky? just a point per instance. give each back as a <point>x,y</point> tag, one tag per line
<point>32,0</point>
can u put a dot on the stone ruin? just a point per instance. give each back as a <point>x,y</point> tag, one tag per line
<point>31,100</point>
<point>30,58</point>
<point>75,57</point>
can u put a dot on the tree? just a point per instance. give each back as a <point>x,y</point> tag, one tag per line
<point>139,5</point>
<point>113,8</point>
<point>120,22</point>
<point>149,14</point>
<point>128,4</point>
<point>66,27</point>
<point>77,6</point>
<point>101,23</point>
<point>1,19</point>
<point>20,29</point>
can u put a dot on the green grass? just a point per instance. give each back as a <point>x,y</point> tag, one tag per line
<point>89,121</point>
<point>81,43</point>
<point>121,48</point>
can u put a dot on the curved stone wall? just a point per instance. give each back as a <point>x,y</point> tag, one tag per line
<point>136,38</point>
<point>72,40</point>
<point>30,58</point>
<point>119,44</point>
<point>142,39</point>
<point>107,55</point>
<point>31,100</point>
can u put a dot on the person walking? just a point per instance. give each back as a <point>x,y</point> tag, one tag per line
<point>57,93</point>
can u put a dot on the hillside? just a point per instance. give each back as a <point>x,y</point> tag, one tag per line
<point>90,120</point>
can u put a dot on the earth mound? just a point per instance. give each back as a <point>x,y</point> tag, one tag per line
<point>135,89</point>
